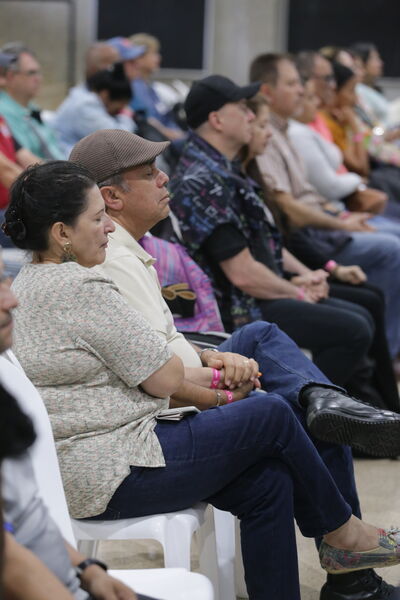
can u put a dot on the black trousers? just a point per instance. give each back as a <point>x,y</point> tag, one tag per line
<point>338,333</point>
<point>383,377</point>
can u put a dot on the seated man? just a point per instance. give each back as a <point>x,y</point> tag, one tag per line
<point>226,229</point>
<point>22,84</point>
<point>351,239</point>
<point>136,199</point>
<point>100,56</point>
<point>13,157</point>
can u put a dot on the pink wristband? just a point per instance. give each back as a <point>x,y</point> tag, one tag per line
<point>330,266</point>
<point>216,378</point>
<point>300,293</point>
<point>229,396</point>
<point>344,214</point>
<point>358,137</point>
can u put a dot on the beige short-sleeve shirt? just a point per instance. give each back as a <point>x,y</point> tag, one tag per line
<point>131,269</point>
<point>87,351</point>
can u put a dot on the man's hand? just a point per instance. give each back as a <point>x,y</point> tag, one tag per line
<point>314,284</point>
<point>103,587</point>
<point>352,274</point>
<point>357,222</point>
<point>238,368</point>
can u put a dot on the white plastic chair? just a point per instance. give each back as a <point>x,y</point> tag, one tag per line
<point>173,530</point>
<point>164,584</point>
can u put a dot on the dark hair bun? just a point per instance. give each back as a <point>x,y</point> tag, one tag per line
<point>15,229</point>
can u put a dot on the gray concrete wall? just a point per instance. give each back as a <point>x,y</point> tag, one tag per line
<point>239,29</point>
<point>243,29</point>
<point>45,26</point>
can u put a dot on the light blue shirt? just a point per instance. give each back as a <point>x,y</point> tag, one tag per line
<point>82,113</point>
<point>146,99</point>
<point>37,137</point>
<point>375,102</point>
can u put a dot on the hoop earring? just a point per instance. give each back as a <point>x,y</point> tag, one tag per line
<point>68,255</point>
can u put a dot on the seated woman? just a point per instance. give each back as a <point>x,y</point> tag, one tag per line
<point>366,151</point>
<point>105,376</point>
<point>326,171</point>
<point>377,383</point>
<point>368,90</point>
<point>324,162</point>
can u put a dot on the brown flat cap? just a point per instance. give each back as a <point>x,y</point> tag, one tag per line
<point>109,151</point>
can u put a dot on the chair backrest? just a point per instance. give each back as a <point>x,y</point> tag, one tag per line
<point>43,452</point>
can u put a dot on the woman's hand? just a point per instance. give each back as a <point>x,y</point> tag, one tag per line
<point>347,117</point>
<point>203,376</point>
<point>243,391</point>
<point>238,369</point>
<point>352,274</point>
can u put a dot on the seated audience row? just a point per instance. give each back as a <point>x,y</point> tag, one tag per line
<point>116,359</point>
<point>232,216</point>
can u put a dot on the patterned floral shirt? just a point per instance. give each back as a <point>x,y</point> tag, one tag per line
<point>87,352</point>
<point>208,191</point>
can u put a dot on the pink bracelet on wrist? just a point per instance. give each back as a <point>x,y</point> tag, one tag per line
<point>330,266</point>
<point>300,293</point>
<point>229,396</point>
<point>358,137</point>
<point>344,214</point>
<point>216,378</point>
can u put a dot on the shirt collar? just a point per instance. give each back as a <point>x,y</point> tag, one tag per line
<point>123,237</point>
<point>16,107</point>
<point>210,150</point>
<point>279,123</point>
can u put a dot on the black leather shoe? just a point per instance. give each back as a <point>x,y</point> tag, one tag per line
<point>360,585</point>
<point>334,417</point>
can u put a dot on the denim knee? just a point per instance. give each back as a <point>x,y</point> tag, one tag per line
<point>268,406</point>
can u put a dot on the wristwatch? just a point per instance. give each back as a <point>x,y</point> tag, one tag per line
<point>206,350</point>
<point>86,563</point>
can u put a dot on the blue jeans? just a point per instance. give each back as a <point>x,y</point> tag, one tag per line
<point>386,224</point>
<point>378,254</point>
<point>254,459</point>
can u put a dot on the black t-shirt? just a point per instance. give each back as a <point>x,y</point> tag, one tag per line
<point>17,145</point>
<point>225,242</point>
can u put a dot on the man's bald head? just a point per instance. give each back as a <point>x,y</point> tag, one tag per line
<point>100,56</point>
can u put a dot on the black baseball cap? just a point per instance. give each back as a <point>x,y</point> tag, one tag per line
<point>211,93</point>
